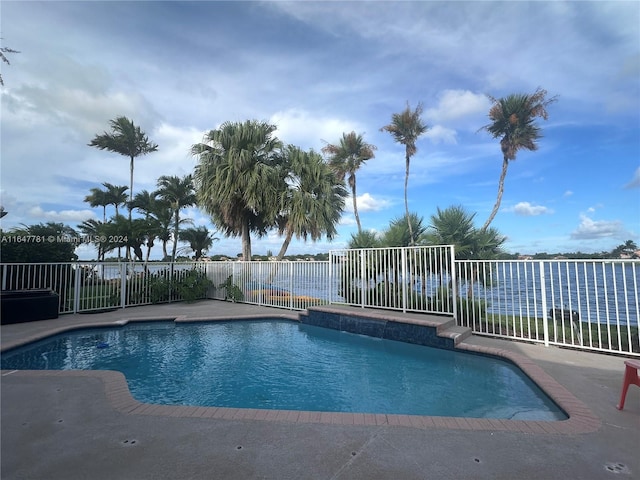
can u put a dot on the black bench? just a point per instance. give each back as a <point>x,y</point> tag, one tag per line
<point>19,306</point>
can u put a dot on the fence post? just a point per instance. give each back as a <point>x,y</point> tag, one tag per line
<point>123,285</point>
<point>330,289</point>
<point>291,285</point>
<point>405,279</point>
<point>543,298</point>
<point>76,289</point>
<point>454,282</point>
<point>362,279</point>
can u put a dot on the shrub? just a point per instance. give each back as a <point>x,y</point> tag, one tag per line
<point>232,291</point>
<point>193,285</point>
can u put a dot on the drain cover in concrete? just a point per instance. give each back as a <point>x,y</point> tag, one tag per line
<point>617,468</point>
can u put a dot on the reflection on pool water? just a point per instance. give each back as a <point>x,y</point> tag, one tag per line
<point>283,365</point>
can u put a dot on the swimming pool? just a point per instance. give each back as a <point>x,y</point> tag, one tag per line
<point>285,365</point>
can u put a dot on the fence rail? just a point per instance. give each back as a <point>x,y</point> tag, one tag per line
<point>590,305</point>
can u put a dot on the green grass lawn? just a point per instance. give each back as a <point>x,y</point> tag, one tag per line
<point>593,335</point>
<point>95,297</point>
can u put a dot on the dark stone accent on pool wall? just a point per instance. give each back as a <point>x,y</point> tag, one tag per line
<point>428,330</point>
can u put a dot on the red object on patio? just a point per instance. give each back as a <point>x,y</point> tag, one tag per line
<point>630,377</point>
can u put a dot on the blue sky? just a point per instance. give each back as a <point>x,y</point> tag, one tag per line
<point>316,70</point>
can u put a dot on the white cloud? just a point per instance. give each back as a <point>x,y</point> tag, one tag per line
<point>173,156</point>
<point>594,208</point>
<point>528,210</point>
<point>439,134</point>
<point>568,193</point>
<point>308,130</point>
<point>347,220</point>
<point>635,181</point>
<point>64,216</point>
<point>367,203</point>
<point>593,229</point>
<point>456,104</point>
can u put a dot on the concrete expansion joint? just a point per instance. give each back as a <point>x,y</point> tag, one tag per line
<point>353,456</point>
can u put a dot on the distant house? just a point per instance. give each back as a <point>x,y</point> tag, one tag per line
<point>525,257</point>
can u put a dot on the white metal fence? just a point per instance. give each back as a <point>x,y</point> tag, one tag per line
<point>87,286</point>
<point>417,279</point>
<point>293,285</point>
<point>592,304</point>
<point>588,304</point>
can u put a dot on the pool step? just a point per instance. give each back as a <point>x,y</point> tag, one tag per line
<point>424,329</point>
<point>457,333</point>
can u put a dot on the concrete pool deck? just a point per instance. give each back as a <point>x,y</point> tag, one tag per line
<point>86,425</point>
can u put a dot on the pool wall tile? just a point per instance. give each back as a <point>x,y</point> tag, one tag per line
<point>322,319</point>
<point>416,333</point>
<point>362,326</point>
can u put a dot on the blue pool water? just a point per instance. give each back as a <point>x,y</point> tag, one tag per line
<point>289,366</point>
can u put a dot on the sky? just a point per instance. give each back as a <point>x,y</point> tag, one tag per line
<point>316,70</point>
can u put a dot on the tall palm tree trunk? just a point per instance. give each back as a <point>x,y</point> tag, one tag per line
<point>119,247</point>
<point>285,245</point>
<point>406,201</point>
<point>130,202</point>
<point>246,242</point>
<point>355,206</point>
<point>496,207</point>
<point>175,236</point>
<point>130,187</point>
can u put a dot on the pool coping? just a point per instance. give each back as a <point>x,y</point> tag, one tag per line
<point>581,420</point>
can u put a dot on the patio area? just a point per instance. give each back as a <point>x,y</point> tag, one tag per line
<point>68,425</point>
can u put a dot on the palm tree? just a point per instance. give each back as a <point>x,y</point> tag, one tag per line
<point>312,200</point>
<point>95,230</point>
<point>143,202</point>
<point>147,203</point>
<point>199,240</point>
<point>4,58</point>
<point>398,234</point>
<point>178,193</point>
<point>405,128</point>
<point>98,198</point>
<point>364,239</point>
<point>114,195</point>
<point>346,158</point>
<point>125,139</point>
<point>163,213</point>
<point>513,121</point>
<point>454,226</point>
<point>122,233</point>
<point>237,178</point>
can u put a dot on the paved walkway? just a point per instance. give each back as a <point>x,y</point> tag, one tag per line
<point>65,425</point>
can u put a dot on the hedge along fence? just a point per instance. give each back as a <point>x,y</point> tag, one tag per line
<point>84,286</point>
